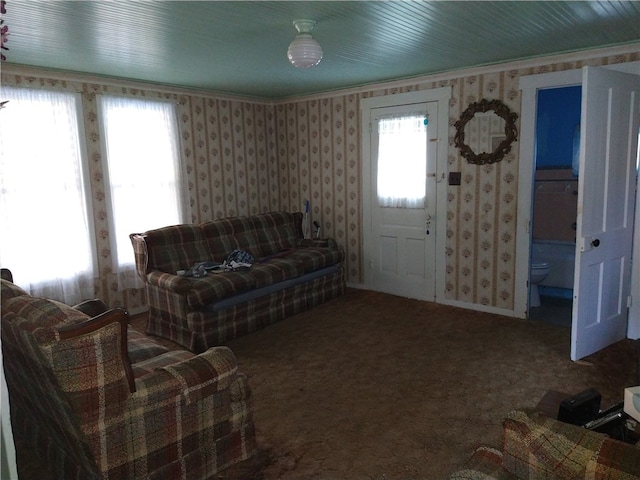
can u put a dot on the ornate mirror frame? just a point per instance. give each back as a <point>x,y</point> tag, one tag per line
<point>510,131</point>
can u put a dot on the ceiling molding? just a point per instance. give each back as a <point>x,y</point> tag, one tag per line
<point>78,77</point>
<point>583,55</point>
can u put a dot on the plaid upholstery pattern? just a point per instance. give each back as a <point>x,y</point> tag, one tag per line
<point>175,248</point>
<point>228,234</point>
<point>277,270</point>
<point>180,308</point>
<point>141,347</point>
<point>536,446</point>
<point>10,290</point>
<point>189,417</point>
<point>40,412</point>
<point>276,232</point>
<point>539,447</point>
<point>203,329</point>
<point>41,315</point>
<point>484,464</point>
<point>149,365</point>
<point>218,286</point>
<point>315,258</point>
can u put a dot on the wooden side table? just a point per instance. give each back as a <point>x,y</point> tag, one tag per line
<point>549,404</point>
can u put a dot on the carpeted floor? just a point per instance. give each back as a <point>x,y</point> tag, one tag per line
<point>375,386</point>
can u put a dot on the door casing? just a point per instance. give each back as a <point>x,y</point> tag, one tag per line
<point>529,85</point>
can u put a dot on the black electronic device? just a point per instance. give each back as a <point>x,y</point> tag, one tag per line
<point>580,408</point>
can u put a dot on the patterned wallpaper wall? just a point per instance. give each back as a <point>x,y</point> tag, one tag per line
<point>318,143</point>
<point>243,157</point>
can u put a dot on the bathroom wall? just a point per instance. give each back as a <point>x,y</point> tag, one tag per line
<point>556,186</point>
<point>555,205</point>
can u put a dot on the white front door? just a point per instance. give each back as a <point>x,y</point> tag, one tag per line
<point>404,245</point>
<point>606,199</point>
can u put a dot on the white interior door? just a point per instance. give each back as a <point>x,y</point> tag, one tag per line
<point>606,198</point>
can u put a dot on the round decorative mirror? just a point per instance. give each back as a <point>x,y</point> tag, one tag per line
<point>485,132</point>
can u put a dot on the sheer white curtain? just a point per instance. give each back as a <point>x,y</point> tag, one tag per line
<point>402,161</point>
<point>141,151</point>
<point>45,229</point>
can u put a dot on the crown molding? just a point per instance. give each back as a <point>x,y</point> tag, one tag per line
<point>85,78</point>
<point>541,61</point>
<point>582,55</point>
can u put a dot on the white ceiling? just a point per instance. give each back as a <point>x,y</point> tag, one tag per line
<point>239,47</point>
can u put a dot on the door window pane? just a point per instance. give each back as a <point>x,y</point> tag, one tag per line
<point>402,161</point>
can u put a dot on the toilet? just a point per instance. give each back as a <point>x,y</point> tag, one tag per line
<point>539,271</point>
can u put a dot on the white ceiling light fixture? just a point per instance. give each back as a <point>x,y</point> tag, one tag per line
<point>304,51</point>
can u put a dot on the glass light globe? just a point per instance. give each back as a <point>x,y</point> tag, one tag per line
<point>304,51</point>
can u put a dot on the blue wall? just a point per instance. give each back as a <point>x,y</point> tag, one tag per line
<point>558,118</point>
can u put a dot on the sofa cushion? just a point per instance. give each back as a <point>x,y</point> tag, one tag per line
<point>276,232</point>
<point>176,247</point>
<point>217,286</point>
<point>141,347</point>
<point>275,271</point>
<point>228,234</point>
<point>536,446</point>
<point>150,365</point>
<point>315,258</point>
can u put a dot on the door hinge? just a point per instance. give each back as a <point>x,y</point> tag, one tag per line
<point>629,301</point>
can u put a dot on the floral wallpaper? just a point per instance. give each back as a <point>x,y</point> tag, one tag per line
<point>243,157</point>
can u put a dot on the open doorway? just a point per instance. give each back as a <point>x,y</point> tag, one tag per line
<point>609,125</point>
<point>555,201</point>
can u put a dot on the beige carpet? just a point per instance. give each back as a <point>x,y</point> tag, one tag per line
<point>373,386</point>
<point>381,387</point>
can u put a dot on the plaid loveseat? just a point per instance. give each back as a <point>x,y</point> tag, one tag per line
<point>98,400</point>
<point>289,274</point>
<point>538,447</point>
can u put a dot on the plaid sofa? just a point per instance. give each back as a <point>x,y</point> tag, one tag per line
<point>538,447</point>
<point>98,400</point>
<point>289,274</point>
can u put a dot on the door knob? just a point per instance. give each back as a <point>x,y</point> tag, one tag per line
<point>595,242</point>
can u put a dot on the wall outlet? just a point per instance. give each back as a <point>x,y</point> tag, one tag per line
<point>455,178</point>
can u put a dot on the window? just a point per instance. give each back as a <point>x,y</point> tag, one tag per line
<point>47,236</point>
<point>402,161</point>
<point>45,228</point>
<point>143,168</point>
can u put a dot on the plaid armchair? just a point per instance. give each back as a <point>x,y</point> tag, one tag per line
<point>536,446</point>
<point>101,401</point>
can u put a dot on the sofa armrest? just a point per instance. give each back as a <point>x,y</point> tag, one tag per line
<point>168,281</point>
<point>92,325</point>
<point>318,242</point>
<point>194,379</point>
<point>141,255</point>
